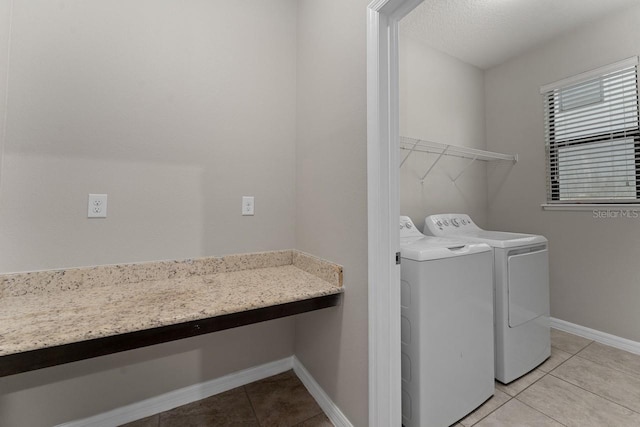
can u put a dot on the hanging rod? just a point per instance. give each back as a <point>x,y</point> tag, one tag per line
<point>413,144</point>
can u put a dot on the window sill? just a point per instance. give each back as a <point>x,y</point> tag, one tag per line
<point>588,206</point>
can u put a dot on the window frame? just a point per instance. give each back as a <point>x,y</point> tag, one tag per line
<point>551,94</point>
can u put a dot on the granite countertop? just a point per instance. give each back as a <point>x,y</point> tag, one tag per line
<point>51,308</point>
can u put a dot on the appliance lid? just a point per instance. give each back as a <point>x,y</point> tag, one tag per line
<point>501,239</point>
<point>431,248</point>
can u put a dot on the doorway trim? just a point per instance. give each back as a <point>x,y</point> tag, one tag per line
<point>383,16</point>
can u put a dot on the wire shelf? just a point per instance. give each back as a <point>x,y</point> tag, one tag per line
<point>418,145</point>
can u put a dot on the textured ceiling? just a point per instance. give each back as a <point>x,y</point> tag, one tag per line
<point>485,33</point>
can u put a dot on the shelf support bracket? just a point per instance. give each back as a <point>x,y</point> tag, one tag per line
<point>434,163</point>
<point>465,168</point>
<point>409,153</point>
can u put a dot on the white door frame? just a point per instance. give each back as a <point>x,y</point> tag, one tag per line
<point>384,209</point>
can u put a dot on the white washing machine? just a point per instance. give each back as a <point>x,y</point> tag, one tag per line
<point>447,328</point>
<point>521,274</point>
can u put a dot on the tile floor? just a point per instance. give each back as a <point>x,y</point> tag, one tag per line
<point>583,384</point>
<point>281,400</point>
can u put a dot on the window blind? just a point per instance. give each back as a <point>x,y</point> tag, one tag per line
<point>592,137</point>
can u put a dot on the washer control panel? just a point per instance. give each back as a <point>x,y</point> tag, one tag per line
<point>408,229</point>
<point>446,224</point>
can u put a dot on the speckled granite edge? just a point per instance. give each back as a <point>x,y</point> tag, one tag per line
<point>255,260</point>
<point>39,282</point>
<point>325,270</point>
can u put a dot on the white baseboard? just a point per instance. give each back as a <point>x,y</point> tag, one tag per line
<point>328,406</point>
<point>200,391</point>
<point>592,334</point>
<point>182,396</point>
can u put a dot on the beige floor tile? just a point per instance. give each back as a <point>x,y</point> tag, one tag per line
<point>151,421</point>
<point>282,400</point>
<point>609,383</point>
<point>515,387</point>
<point>568,342</point>
<point>515,413</point>
<point>557,357</point>
<point>575,407</point>
<point>231,408</point>
<point>499,398</point>
<point>613,358</point>
<point>320,420</point>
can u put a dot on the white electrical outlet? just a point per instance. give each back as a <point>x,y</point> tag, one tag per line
<point>247,205</point>
<point>97,206</point>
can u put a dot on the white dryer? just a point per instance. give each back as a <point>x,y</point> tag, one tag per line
<point>521,274</point>
<point>447,328</point>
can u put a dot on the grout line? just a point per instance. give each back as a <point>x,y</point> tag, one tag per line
<point>539,411</point>
<point>508,400</point>
<point>632,374</point>
<point>575,385</point>
<point>522,377</point>
<point>307,419</point>
<point>595,394</point>
<point>585,347</point>
<point>515,397</point>
<point>563,362</point>
<point>573,354</point>
<point>544,374</point>
<point>636,375</point>
<point>309,393</point>
<point>255,414</point>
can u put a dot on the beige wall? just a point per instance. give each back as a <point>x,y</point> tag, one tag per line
<point>5,12</point>
<point>441,100</point>
<point>593,262</point>
<point>175,110</point>
<point>331,197</point>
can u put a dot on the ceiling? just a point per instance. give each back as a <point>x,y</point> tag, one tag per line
<point>485,33</point>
